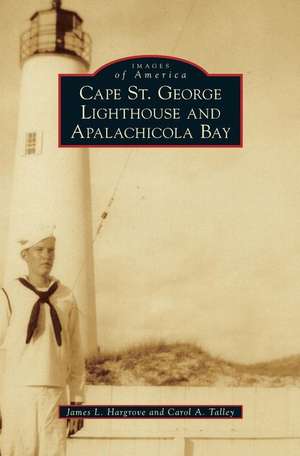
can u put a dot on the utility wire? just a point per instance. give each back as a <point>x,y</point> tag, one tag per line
<point>105,213</point>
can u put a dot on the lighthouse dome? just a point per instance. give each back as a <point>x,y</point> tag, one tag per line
<point>55,30</point>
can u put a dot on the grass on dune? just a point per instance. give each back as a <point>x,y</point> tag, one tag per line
<point>186,364</point>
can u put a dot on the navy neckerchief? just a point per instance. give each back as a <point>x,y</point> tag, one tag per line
<point>44,298</point>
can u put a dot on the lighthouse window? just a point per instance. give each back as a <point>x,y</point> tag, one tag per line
<point>32,143</point>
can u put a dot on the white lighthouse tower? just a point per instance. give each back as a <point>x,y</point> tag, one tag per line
<point>52,185</point>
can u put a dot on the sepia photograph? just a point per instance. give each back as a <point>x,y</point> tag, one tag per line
<point>152,277</point>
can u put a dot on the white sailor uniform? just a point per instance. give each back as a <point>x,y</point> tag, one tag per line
<point>37,373</point>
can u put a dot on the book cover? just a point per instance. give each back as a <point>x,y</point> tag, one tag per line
<point>195,250</point>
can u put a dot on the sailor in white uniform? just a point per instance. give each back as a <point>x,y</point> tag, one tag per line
<point>42,361</point>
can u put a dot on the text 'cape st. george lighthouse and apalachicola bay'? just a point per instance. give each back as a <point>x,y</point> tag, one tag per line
<point>154,101</point>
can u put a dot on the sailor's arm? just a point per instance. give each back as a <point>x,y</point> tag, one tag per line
<point>4,315</point>
<point>77,375</point>
<point>4,321</point>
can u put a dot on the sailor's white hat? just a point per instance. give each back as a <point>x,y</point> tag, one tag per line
<point>35,235</point>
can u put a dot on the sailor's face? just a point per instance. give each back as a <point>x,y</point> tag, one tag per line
<point>40,257</point>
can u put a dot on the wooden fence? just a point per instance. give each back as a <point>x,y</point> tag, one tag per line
<point>271,424</point>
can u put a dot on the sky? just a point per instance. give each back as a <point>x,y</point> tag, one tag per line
<point>201,244</point>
